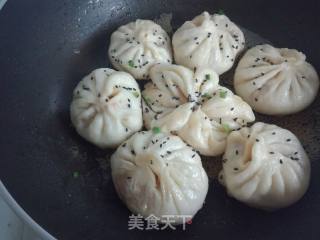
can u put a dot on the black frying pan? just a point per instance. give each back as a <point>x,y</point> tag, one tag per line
<point>40,64</point>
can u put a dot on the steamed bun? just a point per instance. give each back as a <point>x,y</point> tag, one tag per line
<point>208,41</point>
<point>265,166</point>
<point>106,107</point>
<point>193,106</point>
<point>137,46</point>
<point>276,81</point>
<point>157,173</point>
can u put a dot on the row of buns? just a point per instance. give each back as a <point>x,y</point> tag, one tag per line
<point>187,112</point>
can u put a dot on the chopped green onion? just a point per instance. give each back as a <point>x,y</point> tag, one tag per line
<point>146,99</point>
<point>136,94</point>
<point>220,12</point>
<point>226,128</point>
<point>131,63</point>
<point>223,94</point>
<point>75,174</point>
<point>208,76</point>
<point>207,95</point>
<point>156,130</point>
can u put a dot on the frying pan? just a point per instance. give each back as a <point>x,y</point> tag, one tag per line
<point>46,47</point>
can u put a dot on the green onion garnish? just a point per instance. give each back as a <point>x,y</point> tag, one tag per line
<point>146,99</point>
<point>207,95</point>
<point>136,94</point>
<point>131,63</point>
<point>156,130</point>
<point>226,128</point>
<point>220,12</point>
<point>223,94</point>
<point>75,174</point>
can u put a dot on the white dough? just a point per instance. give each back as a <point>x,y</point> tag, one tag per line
<point>193,106</point>
<point>265,166</point>
<point>106,107</point>
<point>276,81</point>
<point>208,41</point>
<point>137,46</point>
<point>159,174</point>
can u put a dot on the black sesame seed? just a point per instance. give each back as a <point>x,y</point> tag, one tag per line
<point>254,83</point>
<point>123,145</point>
<point>295,153</point>
<point>280,161</point>
<point>236,169</point>
<point>271,152</point>
<point>127,130</point>
<point>167,164</point>
<point>256,99</point>
<point>193,155</point>
<point>168,152</point>
<point>273,133</point>
<point>85,88</point>
<point>195,38</point>
<point>151,162</point>
<point>231,109</point>
<point>237,152</point>
<point>248,136</point>
<point>257,140</point>
<point>129,177</point>
<point>106,99</point>
<point>129,105</point>
<point>288,140</point>
<point>133,152</point>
